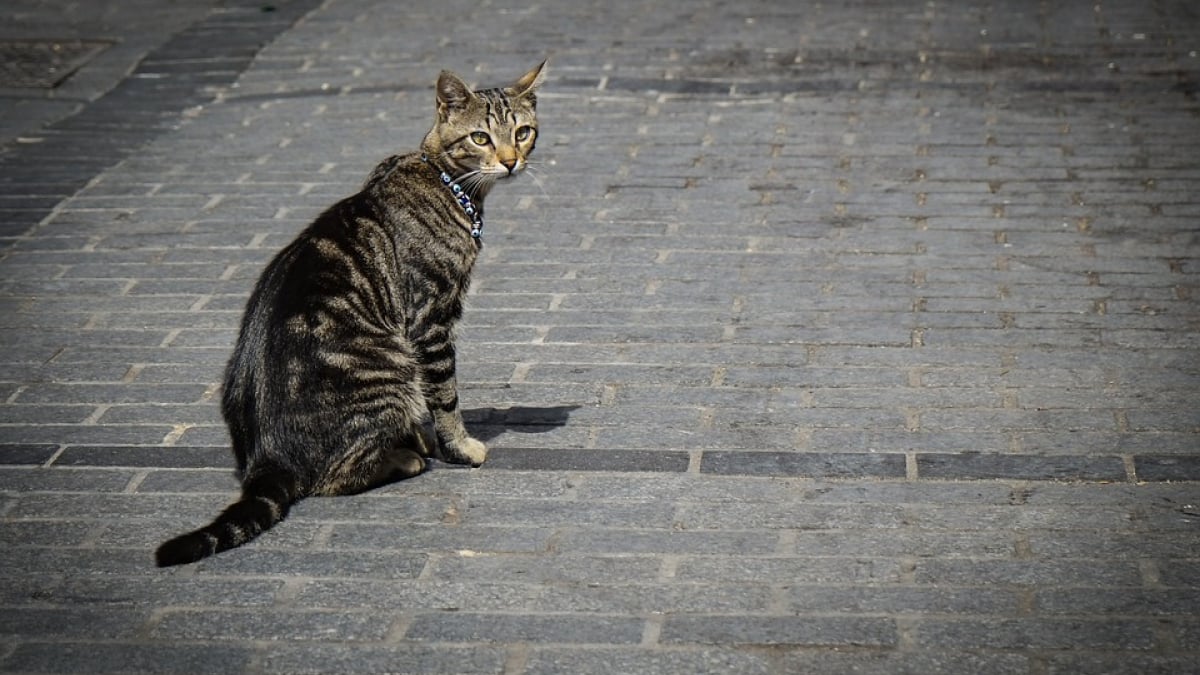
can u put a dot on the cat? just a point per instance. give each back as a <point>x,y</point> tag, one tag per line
<point>346,346</point>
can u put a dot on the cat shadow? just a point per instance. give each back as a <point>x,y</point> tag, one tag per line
<point>489,423</point>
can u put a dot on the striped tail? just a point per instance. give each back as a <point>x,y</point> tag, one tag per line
<point>265,501</point>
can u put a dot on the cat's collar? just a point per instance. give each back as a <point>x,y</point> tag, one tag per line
<point>464,200</point>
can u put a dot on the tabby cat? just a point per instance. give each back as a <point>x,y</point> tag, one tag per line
<point>346,347</point>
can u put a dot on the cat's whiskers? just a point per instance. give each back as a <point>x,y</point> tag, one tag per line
<point>534,172</point>
<point>476,182</point>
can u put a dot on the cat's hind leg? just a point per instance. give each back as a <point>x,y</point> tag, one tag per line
<point>365,469</point>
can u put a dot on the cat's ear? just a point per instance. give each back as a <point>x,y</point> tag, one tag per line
<point>529,82</point>
<point>452,94</point>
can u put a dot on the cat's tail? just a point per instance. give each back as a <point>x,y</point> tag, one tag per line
<point>265,501</point>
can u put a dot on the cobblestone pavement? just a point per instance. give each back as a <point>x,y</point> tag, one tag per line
<point>851,337</point>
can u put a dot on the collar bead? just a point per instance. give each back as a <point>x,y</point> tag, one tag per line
<point>464,200</point>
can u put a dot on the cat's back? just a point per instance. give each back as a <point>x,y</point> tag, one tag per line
<point>398,243</point>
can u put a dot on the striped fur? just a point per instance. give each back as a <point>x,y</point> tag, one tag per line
<point>346,346</point>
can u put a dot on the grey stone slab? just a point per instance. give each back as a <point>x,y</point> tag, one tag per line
<point>669,541</point>
<point>549,513</point>
<point>1037,633</point>
<point>425,537</point>
<point>1079,572</point>
<point>1017,516</point>
<point>788,516</point>
<point>656,598</point>
<point>788,570</point>
<point>293,563</point>
<point>1167,468</point>
<point>43,480</point>
<point>812,465</point>
<point>84,562</point>
<point>551,660</point>
<point>1118,601</point>
<point>1083,544</point>
<point>579,459</point>
<point>120,657</point>
<point>291,625</point>
<point>1062,663</point>
<point>201,480</point>
<point>906,542</point>
<point>143,591</point>
<point>809,631</point>
<point>976,466</point>
<point>368,658</point>
<point>475,628</point>
<point>73,622</point>
<point>141,456</point>
<point>551,568</point>
<point>902,601</point>
<point>40,533</point>
<point>885,662</point>
<point>1179,573</point>
<point>450,594</point>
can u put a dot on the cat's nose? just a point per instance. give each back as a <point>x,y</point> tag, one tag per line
<point>510,164</point>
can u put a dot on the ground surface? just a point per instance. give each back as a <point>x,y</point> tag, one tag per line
<point>822,338</point>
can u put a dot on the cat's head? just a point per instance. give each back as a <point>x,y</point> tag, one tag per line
<point>486,135</point>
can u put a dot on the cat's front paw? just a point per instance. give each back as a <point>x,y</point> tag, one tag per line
<point>466,451</point>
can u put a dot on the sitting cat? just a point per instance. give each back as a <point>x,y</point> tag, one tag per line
<point>347,341</point>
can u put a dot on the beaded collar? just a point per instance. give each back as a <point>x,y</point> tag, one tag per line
<point>460,195</point>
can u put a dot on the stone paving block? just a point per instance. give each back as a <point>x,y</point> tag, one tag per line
<point>903,601</point>
<point>970,466</point>
<point>77,505</point>
<point>789,516</point>
<point>216,480</point>
<point>1037,633</point>
<point>140,591</point>
<point>460,627</point>
<point>1017,516</point>
<point>73,622</point>
<point>1079,572</point>
<point>810,631</point>
<point>549,660</point>
<point>123,657</point>
<point>1066,544</point>
<point>550,568</point>
<point>670,541</point>
<point>181,457</point>
<point>886,662</point>
<point>360,658</point>
<point>812,465</point>
<point>269,625</point>
<point>1062,663</point>
<point>86,562</point>
<point>578,459</point>
<point>438,593</point>
<point>39,533</point>
<point>301,563</point>
<point>1167,468</point>
<point>656,598</point>
<point>413,536</point>
<point>1118,601</point>
<point>42,480</point>
<point>906,542</point>
<point>549,513</point>
<point>1179,573</point>
<point>787,570</point>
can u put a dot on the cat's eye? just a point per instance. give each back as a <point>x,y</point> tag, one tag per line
<point>480,138</point>
<point>524,133</point>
